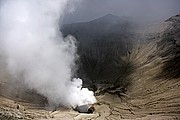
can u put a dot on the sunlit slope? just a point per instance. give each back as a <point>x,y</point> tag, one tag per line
<point>155,81</point>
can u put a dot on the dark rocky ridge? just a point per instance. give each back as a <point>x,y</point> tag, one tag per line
<point>98,28</point>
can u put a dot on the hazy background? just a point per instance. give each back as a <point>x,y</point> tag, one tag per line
<point>142,10</point>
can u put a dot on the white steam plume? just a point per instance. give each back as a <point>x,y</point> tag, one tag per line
<point>36,52</point>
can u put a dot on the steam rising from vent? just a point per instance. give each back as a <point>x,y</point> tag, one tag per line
<point>36,52</point>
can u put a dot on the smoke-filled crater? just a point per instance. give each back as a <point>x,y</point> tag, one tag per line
<point>37,56</point>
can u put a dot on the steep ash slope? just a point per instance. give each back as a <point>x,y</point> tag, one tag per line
<point>103,45</point>
<point>156,78</point>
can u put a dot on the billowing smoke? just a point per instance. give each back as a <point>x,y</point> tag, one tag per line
<point>37,54</point>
